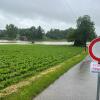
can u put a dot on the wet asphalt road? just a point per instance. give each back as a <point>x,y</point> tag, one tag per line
<point>77,84</point>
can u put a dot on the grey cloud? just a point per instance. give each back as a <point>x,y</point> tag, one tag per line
<point>49,12</point>
<point>49,9</point>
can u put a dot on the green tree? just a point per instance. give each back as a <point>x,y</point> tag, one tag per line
<point>40,33</point>
<point>71,34</point>
<point>85,30</point>
<point>33,32</point>
<point>56,34</point>
<point>11,31</point>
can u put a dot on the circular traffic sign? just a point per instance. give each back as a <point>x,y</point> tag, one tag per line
<point>94,49</point>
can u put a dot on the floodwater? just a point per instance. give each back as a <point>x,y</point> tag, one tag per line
<point>4,42</point>
<point>55,43</point>
<point>77,84</point>
<point>36,42</point>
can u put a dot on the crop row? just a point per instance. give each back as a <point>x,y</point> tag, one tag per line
<point>20,61</point>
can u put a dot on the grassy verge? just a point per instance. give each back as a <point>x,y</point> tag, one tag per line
<point>30,91</point>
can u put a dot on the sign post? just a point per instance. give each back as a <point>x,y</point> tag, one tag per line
<point>98,86</point>
<point>94,51</point>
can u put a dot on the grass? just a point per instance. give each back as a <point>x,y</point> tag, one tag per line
<point>32,90</point>
<point>18,62</point>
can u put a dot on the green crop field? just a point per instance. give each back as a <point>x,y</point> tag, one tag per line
<point>20,61</point>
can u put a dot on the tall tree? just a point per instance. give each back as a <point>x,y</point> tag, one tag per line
<point>33,32</point>
<point>71,34</point>
<point>11,31</point>
<point>40,33</point>
<point>85,30</point>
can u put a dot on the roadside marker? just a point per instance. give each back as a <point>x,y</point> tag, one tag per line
<point>94,51</point>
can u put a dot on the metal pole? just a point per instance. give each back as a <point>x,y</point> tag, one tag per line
<point>98,86</point>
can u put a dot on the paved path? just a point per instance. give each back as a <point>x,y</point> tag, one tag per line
<point>77,84</point>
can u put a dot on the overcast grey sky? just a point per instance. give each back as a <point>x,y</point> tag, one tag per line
<point>60,14</point>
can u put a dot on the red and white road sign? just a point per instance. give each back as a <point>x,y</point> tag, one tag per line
<point>95,67</point>
<point>94,49</point>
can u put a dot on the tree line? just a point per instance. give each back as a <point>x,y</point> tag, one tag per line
<point>12,32</point>
<point>84,31</point>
